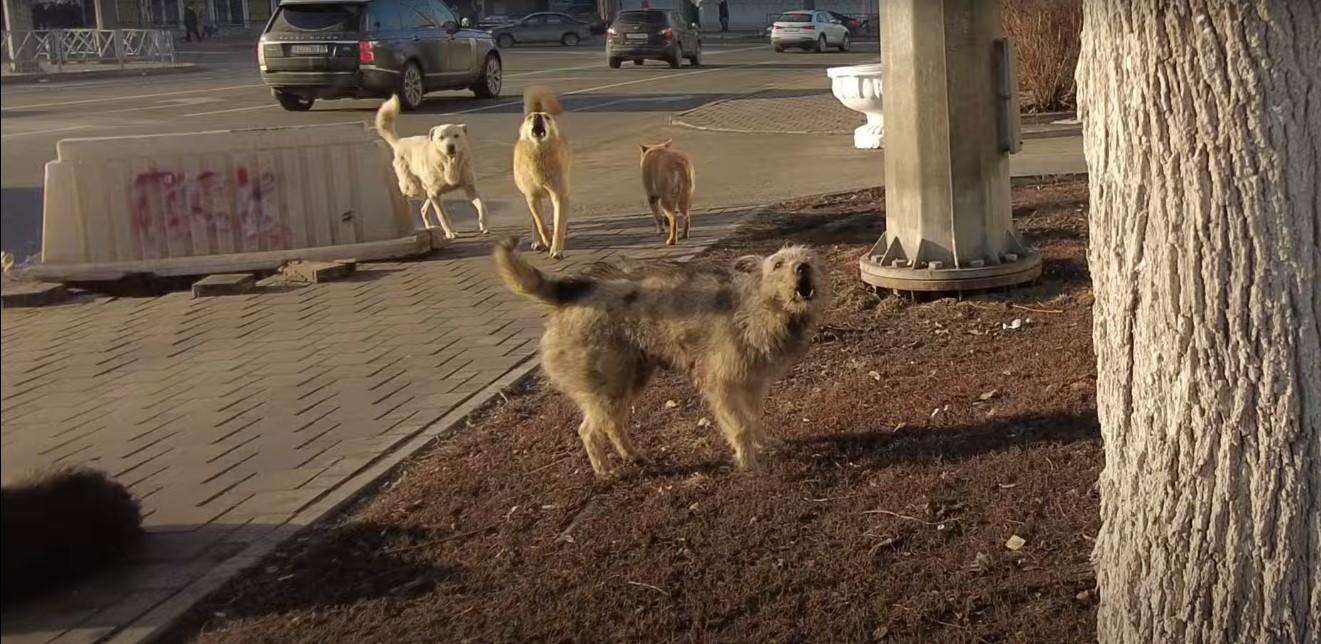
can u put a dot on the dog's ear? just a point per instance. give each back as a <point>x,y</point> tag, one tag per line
<point>666,144</point>
<point>431,134</point>
<point>748,264</point>
<point>643,147</point>
<point>463,127</point>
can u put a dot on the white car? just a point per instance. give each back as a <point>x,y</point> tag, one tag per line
<point>809,30</point>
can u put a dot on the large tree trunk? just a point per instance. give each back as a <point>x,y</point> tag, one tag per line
<point>1202,122</point>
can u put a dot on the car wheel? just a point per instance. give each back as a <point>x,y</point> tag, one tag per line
<point>674,58</point>
<point>412,87</point>
<point>821,44</point>
<point>638,62</point>
<point>844,43</point>
<point>294,102</point>
<point>696,59</point>
<point>570,39</point>
<point>614,63</point>
<point>778,49</point>
<point>505,41</point>
<point>492,79</point>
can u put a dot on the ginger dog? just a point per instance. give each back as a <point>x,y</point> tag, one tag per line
<point>668,177</point>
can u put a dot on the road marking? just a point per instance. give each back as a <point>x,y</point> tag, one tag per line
<point>263,106</point>
<point>598,65</point>
<point>134,97</point>
<point>39,132</point>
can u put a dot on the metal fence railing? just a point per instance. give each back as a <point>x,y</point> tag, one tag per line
<point>60,47</point>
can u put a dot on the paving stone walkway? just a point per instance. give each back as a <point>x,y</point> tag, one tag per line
<point>239,420</point>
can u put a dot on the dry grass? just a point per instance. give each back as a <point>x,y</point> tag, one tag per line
<point>1047,34</point>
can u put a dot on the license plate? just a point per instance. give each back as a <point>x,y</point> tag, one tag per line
<point>308,50</point>
<point>635,36</point>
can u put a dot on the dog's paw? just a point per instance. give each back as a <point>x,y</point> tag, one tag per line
<point>451,235</point>
<point>559,255</point>
<point>486,231</point>
<point>538,246</point>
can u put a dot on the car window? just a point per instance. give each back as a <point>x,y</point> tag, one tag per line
<point>442,12</point>
<point>533,21</point>
<point>554,20</point>
<point>326,18</point>
<point>795,17</point>
<point>648,18</point>
<point>383,15</point>
<point>415,16</point>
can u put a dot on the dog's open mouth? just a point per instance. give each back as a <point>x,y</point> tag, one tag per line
<point>538,126</point>
<point>804,290</point>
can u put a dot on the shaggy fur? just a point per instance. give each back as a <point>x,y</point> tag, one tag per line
<point>668,177</point>
<point>732,331</point>
<point>62,525</point>
<point>428,167</point>
<point>541,167</point>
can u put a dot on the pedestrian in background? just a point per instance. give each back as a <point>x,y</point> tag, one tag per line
<point>724,16</point>
<point>190,25</point>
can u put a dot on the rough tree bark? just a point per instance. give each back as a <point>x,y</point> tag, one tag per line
<point>1202,129</point>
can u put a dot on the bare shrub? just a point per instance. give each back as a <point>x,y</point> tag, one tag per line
<point>1047,34</point>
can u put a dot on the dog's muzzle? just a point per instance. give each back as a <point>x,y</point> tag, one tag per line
<point>539,126</point>
<point>805,289</point>
<point>450,149</point>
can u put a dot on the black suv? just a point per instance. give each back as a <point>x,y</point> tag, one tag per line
<point>652,34</point>
<point>371,49</point>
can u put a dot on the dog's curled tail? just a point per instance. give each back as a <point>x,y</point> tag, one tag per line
<point>61,525</point>
<point>541,99</point>
<point>385,118</point>
<point>527,280</point>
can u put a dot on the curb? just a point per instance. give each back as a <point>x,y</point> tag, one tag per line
<point>45,77</point>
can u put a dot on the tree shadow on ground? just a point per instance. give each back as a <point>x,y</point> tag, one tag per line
<point>881,448</point>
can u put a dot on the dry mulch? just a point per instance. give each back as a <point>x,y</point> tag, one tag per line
<point>916,439</point>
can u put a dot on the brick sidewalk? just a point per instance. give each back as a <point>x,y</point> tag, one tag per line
<point>811,110</point>
<point>238,420</point>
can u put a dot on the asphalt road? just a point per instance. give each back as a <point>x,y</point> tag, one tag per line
<point>609,111</point>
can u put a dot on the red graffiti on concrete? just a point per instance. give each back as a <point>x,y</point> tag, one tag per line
<point>172,206</point>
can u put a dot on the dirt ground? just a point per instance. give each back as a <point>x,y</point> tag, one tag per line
<point>919,441</point>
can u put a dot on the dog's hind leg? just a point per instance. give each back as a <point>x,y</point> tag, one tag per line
<point>686,209</point>
<point>426,204</point>
<point>673,218</point>
<point>539,240</point>
<point>560,202</point>
<point>476,200</point>
<point>591,431</point>
<point>617,431</point>
<point>654,204</point>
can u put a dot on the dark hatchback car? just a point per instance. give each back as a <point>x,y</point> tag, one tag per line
<point>652,34</point>
<point>371,49</point>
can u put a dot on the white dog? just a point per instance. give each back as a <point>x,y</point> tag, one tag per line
<point>430,166</point>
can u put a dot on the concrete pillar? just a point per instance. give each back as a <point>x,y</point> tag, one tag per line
<point>951,120</point>
<point>18,19</point>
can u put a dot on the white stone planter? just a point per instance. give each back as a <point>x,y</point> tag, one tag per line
<point>858,87</point>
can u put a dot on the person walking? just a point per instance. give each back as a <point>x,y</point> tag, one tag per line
<point>190,25</point>
<point>724,16</point>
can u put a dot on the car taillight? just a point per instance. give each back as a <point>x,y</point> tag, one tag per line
<point>261,55</point>
<point>667,34</point>
<point>776,27</point>
<point>365,53</point>
<point>808,27</point>
<point>612,31</point>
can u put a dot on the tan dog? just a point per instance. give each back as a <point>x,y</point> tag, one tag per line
<point>430,166</point>
<point>733,331</point>
<point>668,178</point>
<point>541,167</point>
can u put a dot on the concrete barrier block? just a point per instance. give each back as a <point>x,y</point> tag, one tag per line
<point>176,203</point>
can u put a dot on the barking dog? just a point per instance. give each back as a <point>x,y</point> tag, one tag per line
<point>668,178</point>
<point>430,166</point>
<point>541,167</point>
<point>733,331</point>
<point>60,526</point>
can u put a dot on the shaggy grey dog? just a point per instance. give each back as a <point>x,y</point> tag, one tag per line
<point>732,331</point>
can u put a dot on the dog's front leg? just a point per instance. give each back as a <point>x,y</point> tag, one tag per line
<point>539,242</point>
<point>439,205</point>
<point>725,401</point>
<point>560,202</point>
<point>476,200</point>
<point>426,223</point>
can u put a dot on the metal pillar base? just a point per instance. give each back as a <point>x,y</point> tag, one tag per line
<point>904,277</point>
